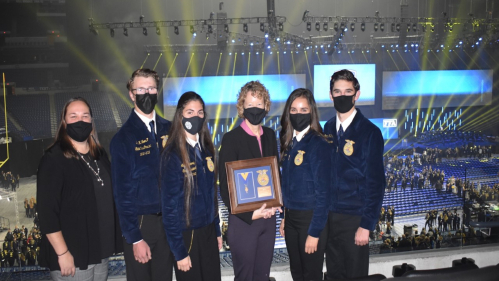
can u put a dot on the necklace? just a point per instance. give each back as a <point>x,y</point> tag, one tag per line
<point>92,169</point>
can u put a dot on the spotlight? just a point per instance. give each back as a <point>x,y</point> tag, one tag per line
<point>414,27</point>
<point>342,26</point>
<point>112,32</point>
<point>175,30</point>
<point>432,28</point>
<point>393,27</point>
<point>226,28</point>
<point>210,29</point>
<point>309,26</point>
<point>352,26</point>
<point>266,35</point>
<point>409,27</point>
<point>191,28</point>
<point>450,27</point>
<point>317,26</point>
<point>382,27</point>
<point>125,31</point>
<point>245,42</point>
<point>144,31</point>
<point>281,26</point>
<point>375,26</point>
<point>398,27</point>
<point>262,27</point>
<point>363,26</point>
<point>245,28</point>
<point>194,34</point>
<point>335,25</point>
<point>158,31</point>
<point>325,26</point>
<point>141,18</point>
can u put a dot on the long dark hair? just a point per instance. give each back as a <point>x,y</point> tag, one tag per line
<point>64,141</point>
<point>286,133</point>
<point>177,143</point>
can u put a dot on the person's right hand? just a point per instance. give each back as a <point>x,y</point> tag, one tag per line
<point>67,265</point>
<point>141,252</point>
<point>184,264</point>
<point>281,228</point>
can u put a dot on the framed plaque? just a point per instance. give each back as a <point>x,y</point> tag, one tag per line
<point>253,182</point>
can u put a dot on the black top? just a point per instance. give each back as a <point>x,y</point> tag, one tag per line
<point>239,145</point>
<point>67,203</point>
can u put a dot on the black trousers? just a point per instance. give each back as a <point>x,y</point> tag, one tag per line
<point>204,254</point>
<point>344,259</point>
<point>252,248</point>
<point>303,266</point>
<point>160,267</point>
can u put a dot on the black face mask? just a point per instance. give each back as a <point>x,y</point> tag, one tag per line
<point>300,121</point>
<point>343,104</point>
<point>79,131</point>
<point>146,102</point>
<point>193,125</point>
<point>254,115</point>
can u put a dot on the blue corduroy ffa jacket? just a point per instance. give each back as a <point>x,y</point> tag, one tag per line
<point>358,179</point>
<point>135,172</point>
<point>204,209</point>
<point>307,185</point>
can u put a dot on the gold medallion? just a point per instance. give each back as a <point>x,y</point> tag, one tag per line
<point>348,148</point>
<point>262,179</point>
<point>299,157</point>
<point>210,164</point>
<point>165,139</point>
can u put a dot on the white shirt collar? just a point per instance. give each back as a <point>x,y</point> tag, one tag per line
<point>300,135</point>
<point>147,120</point>
<point>193,143</point>
<point>345,123</point>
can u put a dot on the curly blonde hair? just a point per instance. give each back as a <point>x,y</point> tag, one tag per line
<point>257,90</point>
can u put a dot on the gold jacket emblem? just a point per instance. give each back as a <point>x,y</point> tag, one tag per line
<point>210,164</point>
<point>165,139</point>
<point>262,179</point>
<point>299,157</point>
<point>348,148</point>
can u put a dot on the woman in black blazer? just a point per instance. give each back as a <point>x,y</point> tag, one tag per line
<point>251,235</point>
<point>75,200</point>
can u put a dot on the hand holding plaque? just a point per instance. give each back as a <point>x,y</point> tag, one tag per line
<point>252,183</point>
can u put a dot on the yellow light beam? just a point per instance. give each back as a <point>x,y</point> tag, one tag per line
<point>219,107</point>
<point>142,66</point>
<point>278,64</point>
<point>157,61</point>
<point>309,72</point>
<point>171,65</point>
<point>204,62</point>
<point>318,57</point>
<point>249,61</point>
<point>263,55</point>
<point>6,127</point>
<point>293,59</point>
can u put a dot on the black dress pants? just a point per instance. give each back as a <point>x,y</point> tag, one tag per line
<point>160,267</point>
<point>204,254</point>
<point>344,259</point>
<point>303,266</point>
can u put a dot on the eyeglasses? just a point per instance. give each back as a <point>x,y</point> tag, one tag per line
<point>150,90</point>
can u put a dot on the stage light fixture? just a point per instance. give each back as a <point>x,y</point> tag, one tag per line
<point>382,27</point>
<point>325,26</point>
<point>393,27</point>
<point>317,26</point>
<point>191,28</point>
<point>342,26</point>
<point>226,28</point>
<point>309,26</point>
<point>414,27</point>
<point>335,26</point>
<point>432,28</point>
<point>262,27</point>
<point>363,26</point>
<point>281,26</point>
<point>125,31</point>
<point>375,26</point>
<point>409,27</point>
<point>210,29</point>
<point>352,26</point>
<point>144,31</point>
<point>158,31</point>
<point>245,42</point>
<point>175,30</point>
<point>245,28</point>
<point>398,27</point>
<point>112,32</point>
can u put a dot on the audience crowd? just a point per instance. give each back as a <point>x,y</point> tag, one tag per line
<point>20,247</point>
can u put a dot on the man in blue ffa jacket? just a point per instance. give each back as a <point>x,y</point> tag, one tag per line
<point>135,152</point>
<point>359,181</point>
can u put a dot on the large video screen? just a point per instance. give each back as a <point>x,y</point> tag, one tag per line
<point>437,88</point>
<point>220,92</point>
<point>388,127</point>
<point>365,73</point>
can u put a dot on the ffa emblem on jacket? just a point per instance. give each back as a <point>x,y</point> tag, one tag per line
<point>262,179</point>
<point>348,148</point>
<point>299,157</point>
<point>210,164</point>
<point>165,139</point>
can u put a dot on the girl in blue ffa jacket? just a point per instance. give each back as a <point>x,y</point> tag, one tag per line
<point>306,185</point>
<point>188,193</point>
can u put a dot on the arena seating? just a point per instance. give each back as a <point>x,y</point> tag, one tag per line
<point>32,111</point>
<point>420,201</point>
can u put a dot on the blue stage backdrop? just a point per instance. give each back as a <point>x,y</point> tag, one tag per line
<point>365,73</point>
<point>388,127</point>
<point>220,92</point>
<point>437,88</point>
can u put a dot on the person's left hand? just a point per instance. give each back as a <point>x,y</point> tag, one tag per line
<point>219,240</point>
<point>311,244</point>
<point>361,237</point>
